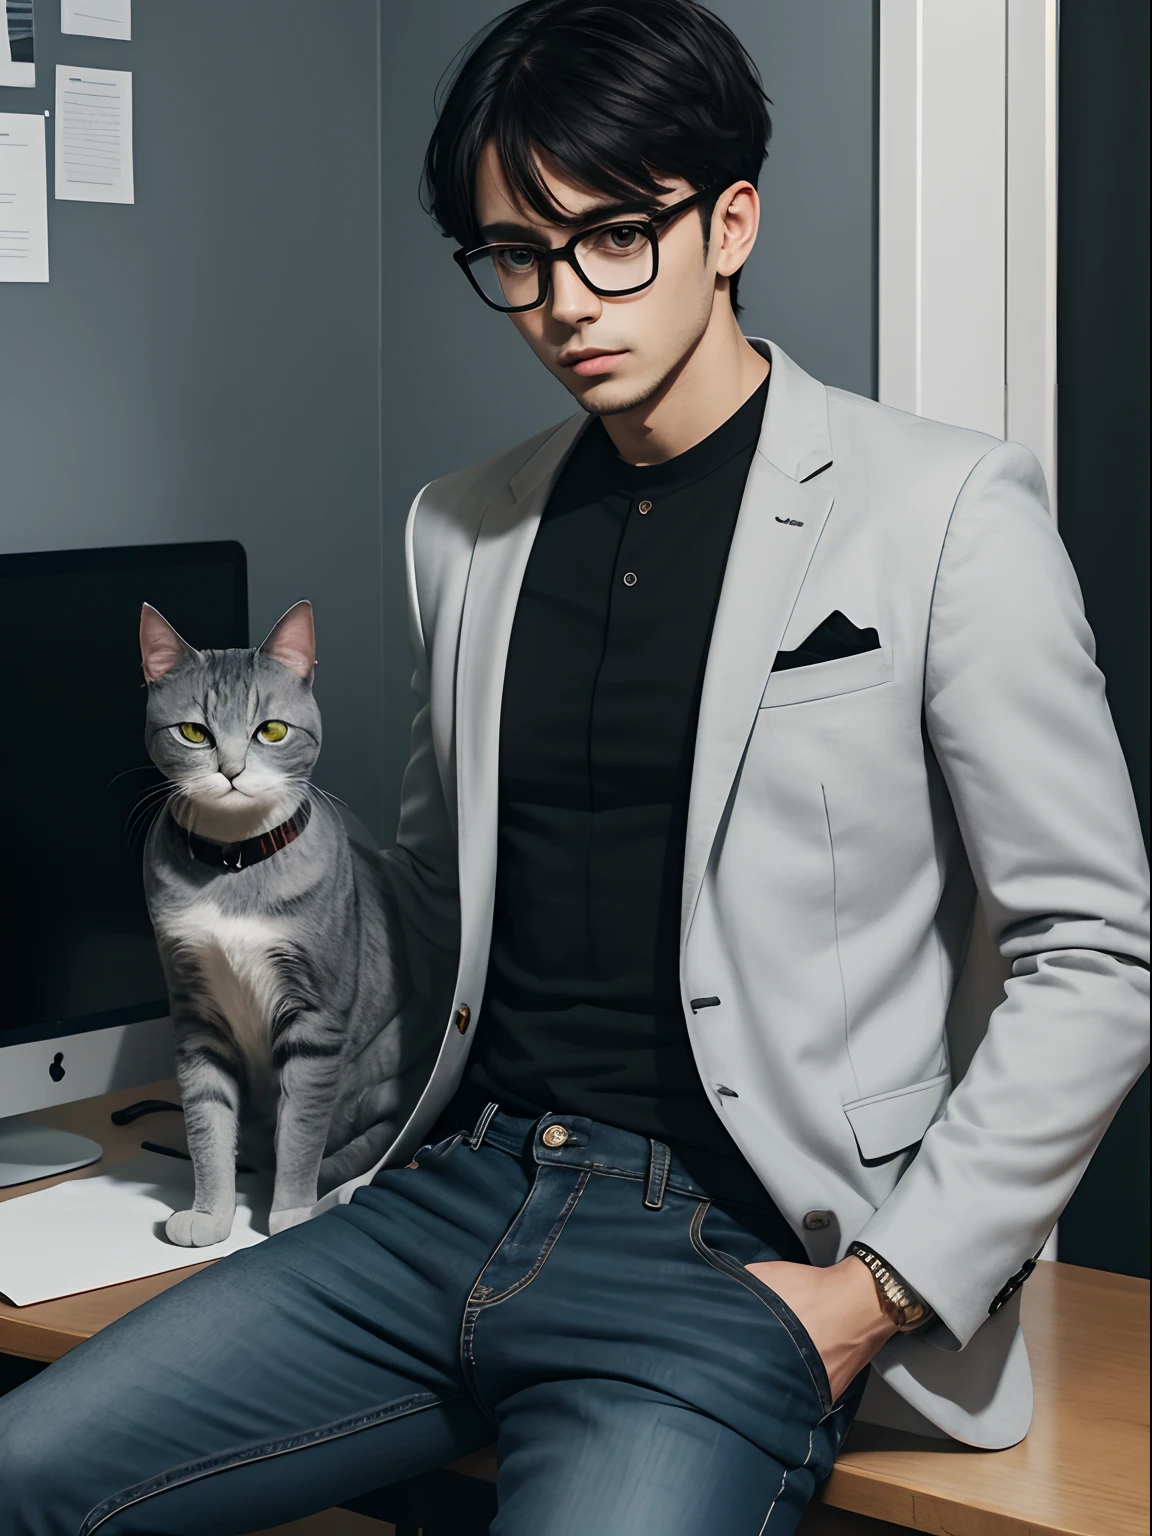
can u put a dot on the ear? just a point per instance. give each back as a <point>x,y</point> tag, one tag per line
<point>161,648</point>
<point>292,641</point>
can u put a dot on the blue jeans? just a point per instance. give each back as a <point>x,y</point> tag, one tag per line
<point>561,1287</point>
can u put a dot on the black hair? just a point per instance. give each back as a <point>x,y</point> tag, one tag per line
<point>614,93</point>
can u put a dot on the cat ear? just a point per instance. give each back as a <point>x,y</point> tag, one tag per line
<point>161,648</point>
<point>292,641</point>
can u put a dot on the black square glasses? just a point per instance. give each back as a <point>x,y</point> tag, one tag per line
<point>619,257</point>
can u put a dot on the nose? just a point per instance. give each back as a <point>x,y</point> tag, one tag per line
<point>572,301</point>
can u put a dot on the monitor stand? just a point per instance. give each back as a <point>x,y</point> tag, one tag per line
<point>30,1152</point>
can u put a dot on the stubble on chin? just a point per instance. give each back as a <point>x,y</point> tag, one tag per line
<point>627,403</point>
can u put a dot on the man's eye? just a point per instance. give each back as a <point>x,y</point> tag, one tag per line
<point>272,731</point>
<point>195,735</point>
<point>622,237</point>
<point>517,258</point>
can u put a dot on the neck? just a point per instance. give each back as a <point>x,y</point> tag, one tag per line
<point>232,826</point>
<point>709,384</point>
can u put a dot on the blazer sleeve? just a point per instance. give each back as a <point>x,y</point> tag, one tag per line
<point>422,866</point>
<point>1016,714</point>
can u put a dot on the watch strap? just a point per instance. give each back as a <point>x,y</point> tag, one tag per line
<point>900,1302</point>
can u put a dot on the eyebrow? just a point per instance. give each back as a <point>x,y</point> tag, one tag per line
<point>595,215</point>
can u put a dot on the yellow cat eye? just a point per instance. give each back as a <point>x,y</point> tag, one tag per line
<point>272,730</point>
<point>196,734</point>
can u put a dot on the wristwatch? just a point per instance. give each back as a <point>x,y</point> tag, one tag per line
<point>899,1301</point>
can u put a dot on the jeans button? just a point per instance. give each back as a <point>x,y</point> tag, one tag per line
<point>816,1221</point>
<point>555,1136</point>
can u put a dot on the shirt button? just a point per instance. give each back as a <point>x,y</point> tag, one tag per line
<point>629,578</point>
<point>555,1136</point>
<point>645,506</point>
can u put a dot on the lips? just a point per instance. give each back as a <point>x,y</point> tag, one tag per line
<point>590,363</point>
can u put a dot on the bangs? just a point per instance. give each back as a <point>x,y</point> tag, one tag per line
<point>549,120</point>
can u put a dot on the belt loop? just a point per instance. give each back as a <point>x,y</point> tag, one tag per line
<point>481,1128</point>
<point>659,1161</point>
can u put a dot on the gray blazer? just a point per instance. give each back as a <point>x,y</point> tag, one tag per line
<point>847,820</point>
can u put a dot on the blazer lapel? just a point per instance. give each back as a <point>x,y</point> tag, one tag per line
<point>786,502</point>
<point>499,557</point>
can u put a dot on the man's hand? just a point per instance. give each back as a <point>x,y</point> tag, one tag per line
<point>840,1308</point>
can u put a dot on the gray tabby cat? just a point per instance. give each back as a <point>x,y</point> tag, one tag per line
<point>273,929</point>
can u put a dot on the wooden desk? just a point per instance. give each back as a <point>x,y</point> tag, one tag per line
<point>51,1328</point>
<point>1081,1470</point>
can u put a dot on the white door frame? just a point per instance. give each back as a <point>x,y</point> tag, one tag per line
<point>967,259</point>
<point>967,216</point>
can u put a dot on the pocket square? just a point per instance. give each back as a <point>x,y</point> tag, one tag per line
<point>835,637</point>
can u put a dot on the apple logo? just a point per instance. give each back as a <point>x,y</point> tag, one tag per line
<point>56,1071</point>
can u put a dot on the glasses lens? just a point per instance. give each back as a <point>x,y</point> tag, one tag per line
<point>616,258</point>
<point>507,275</point>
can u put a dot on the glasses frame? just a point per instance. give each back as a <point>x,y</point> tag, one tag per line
<point>652,224</point>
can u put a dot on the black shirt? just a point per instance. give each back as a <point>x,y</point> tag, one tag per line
<point>582,1011</point>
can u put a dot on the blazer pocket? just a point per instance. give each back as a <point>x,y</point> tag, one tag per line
<point>885,1123</point>
<point>825,679</point>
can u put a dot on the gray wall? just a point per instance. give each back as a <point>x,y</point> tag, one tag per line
<point>458,383</point>
<point>212,355</point>
<point>204,364</point>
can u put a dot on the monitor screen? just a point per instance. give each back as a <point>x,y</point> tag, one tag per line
<point>77,791</point>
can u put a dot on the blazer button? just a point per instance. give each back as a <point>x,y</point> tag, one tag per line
<point>816,1221</point>
<point>463,1018</point>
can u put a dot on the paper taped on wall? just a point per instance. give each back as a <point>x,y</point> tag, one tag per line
<point>97,18</point>
<point>94,135</point>
<point>23,199</point>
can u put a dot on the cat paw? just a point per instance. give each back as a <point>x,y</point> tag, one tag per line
<point>197,1229</point>
<point>291,1216</point>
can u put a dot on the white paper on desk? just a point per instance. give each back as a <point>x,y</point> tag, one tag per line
<point>87,1233</point>
<point>94,135</point>
<point>97,18</point>
<point>23,199</point>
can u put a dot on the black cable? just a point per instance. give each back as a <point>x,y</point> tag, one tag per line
<point>142,1107</point>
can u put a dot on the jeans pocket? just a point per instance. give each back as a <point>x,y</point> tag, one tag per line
<point>728,1264</point>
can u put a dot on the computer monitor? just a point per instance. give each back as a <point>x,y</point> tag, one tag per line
<point>83,1008</point>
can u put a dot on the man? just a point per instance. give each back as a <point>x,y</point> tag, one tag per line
<point>735,690</point>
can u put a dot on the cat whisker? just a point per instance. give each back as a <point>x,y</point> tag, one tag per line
<point>150,798</point>
<point>164,783</point>
<point>147,806</point>
<point>333,800</point>
<point>160,792</point>
<point>143,768</point>
<point>139,833</point>
<point>303,782</point>
<point>144,820</point>
<point>156,789</point>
